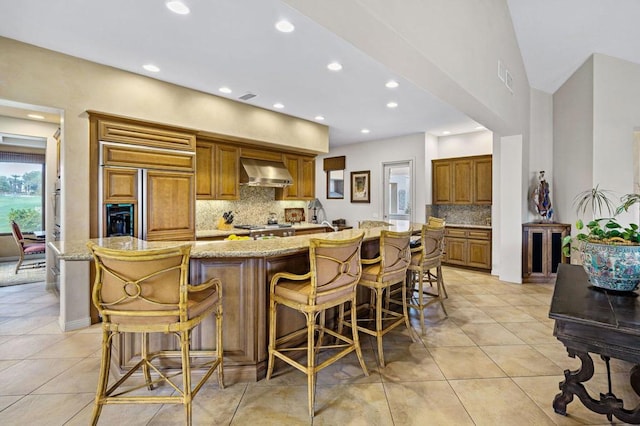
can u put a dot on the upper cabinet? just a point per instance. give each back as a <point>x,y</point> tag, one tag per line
<point>464,180</point>
<point>303,171</point>
<point>217,171</point>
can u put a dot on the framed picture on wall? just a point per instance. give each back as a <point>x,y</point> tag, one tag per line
<point>361,187</point>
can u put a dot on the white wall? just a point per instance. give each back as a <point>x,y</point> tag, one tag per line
<point>510,235</point>
<point>596,115</point>
<point>370,156</point>
<point>465,144</point>
<point>540,147</point>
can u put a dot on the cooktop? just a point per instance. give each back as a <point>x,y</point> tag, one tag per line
<point>273,226</point>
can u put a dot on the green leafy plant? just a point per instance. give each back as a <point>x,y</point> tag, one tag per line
<point>603,228</point>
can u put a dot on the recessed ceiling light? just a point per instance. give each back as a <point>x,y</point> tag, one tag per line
<point>392,84</point>
<point>224,89</point>
<point>480,128</point>
<point>392,105</point>
<point>278,105</point>
<point>365,131</point>
<point>334,66</point>
<point>285,26</point>
<point>151,68</point>
<point>319,117</point>
<point>178,7</point>
<point>446,132</point>
<point>36,116</point>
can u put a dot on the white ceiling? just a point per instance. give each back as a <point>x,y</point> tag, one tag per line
<point>233,43</point>
<point>557,36</point>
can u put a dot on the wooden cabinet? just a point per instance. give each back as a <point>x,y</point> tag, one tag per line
<point>469,247</point>
<point>170,212</point>
<point>128,131</point>
<point>482,182</point>
<point>542,250</point>
<point>303,172</point>
<point>465,180</point>
<point>139,157</point>
<point>120,185</point>
<point>217,171</point>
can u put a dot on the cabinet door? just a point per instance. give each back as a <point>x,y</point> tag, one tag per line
<point>462,182</point>
<point>482,181</point>
<point>456,251</point>
<point>170,207</point>
<point>479,253</point>
<point>120,185</point>
<point>204,171</point>
<point>226,172</point>
<point>537,253</point>
<point>441,172</point>
<point>290,192</point>
<point>307,179</point>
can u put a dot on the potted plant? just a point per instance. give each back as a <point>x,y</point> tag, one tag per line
<point>610,251</point>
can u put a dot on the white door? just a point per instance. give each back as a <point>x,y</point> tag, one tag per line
<point>398,190</point>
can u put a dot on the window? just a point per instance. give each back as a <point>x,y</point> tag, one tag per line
<point>21,191</point>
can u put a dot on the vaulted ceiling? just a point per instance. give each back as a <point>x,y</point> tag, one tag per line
<point>233,44</point>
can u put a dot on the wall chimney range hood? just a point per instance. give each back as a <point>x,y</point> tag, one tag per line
<point>264,173</point>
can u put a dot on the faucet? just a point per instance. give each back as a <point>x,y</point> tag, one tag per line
<point>325,222</point>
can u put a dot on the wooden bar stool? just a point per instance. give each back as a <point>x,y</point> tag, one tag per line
<point>424,260</point>
<point>146,291</point>
<point>332,280</point>
<point>379,275</point>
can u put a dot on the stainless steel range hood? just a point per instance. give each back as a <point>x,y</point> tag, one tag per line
<point>264,173</point>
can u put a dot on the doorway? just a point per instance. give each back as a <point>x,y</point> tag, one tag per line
<point>398,192</point>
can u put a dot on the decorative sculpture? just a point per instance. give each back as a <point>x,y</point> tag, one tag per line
<point>541,198</point>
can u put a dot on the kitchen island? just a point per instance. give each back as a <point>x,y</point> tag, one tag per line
<point>245,269</point>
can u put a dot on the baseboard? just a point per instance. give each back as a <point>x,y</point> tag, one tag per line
<point>75,324</point>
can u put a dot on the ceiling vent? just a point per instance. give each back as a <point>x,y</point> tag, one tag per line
<point>247,96</point>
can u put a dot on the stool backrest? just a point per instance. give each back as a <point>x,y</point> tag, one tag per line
<point>335,268</point>
<point>141,286</point>
<point>432,243</point>
<point>395,252</point>
<point>435,222</point>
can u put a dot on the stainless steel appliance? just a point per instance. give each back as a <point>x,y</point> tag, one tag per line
<point>119,220</point>
<point>265,231</point>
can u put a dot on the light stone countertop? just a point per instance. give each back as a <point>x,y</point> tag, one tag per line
<point>209,233</point>
<point>465,225</point>
<point>78,250</point>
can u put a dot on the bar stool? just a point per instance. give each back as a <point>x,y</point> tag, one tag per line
<point>379,275</point>
<point>146,291</point>
<point>424,259</point>
<point>332,280</point>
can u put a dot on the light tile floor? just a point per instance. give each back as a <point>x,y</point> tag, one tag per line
<point>494,361</point>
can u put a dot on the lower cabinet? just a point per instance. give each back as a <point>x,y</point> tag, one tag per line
<point>469,247</point>
<point>542,250</point>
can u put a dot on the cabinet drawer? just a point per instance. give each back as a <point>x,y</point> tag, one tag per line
<point>479,234</point>
<point>461,233</point>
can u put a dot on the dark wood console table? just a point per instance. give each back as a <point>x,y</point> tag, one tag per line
<point>600,322</point>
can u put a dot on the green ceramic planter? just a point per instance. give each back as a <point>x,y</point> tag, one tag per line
<point>612,267</point>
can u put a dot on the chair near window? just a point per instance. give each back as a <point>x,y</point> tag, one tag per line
<point>379,275</point>
<point>424,260</point>
<point>27,246</point>
<point>146,291</point>
<point>334,273</point>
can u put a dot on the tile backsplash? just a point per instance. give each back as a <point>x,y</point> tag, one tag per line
<point>460,214</point>
<point>253,207</point>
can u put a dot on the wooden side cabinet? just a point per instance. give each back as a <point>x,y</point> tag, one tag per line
<point>542,250</point>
